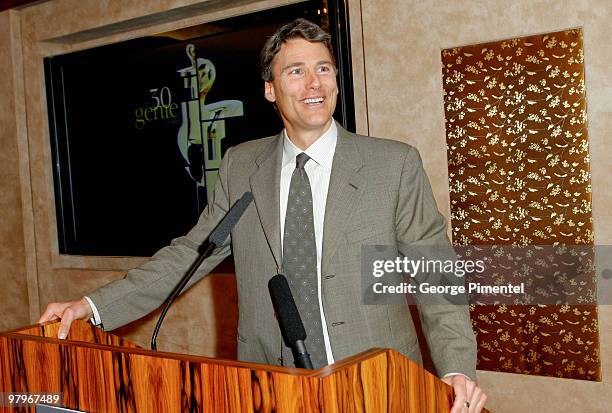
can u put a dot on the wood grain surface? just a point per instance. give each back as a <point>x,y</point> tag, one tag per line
<point>98,372</point>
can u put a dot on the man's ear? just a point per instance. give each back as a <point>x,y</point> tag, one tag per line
<point>269,92</point>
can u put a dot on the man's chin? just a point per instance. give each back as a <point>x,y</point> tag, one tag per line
<point>318,119</point>
<point>319,124</point>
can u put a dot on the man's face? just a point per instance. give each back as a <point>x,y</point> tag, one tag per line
<point>304,87</point>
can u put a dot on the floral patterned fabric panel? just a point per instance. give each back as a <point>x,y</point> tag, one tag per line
<point>519,175</point>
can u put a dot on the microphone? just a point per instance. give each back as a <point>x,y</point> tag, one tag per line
<point>289,320</point>
<point>215,238</point>
<point>229,221</point>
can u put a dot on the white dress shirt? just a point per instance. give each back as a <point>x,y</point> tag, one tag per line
<point>318,169</point>
<point>95,320</point>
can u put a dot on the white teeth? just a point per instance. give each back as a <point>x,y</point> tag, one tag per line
<point>313,100</point>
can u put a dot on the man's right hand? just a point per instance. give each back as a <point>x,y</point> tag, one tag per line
<point>67,312</point>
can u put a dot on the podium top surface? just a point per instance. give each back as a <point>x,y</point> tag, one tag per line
<point>84,334</point>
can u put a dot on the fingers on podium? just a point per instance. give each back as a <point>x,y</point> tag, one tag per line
<point>67,312</point>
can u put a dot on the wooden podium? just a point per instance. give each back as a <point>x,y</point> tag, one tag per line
<point>100,372</point>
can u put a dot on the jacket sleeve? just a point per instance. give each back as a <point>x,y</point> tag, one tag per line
<point>145,288</point>
<point>421,232</point>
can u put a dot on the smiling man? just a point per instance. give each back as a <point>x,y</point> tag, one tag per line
<point>302,83</point>
<point>320,193</point>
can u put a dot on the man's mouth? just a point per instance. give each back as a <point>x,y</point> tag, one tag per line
<point>313,101</point>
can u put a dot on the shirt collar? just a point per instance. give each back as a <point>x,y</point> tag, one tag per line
<point>321,151</point>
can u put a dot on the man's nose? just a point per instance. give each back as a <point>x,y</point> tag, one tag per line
<point>313,81</point>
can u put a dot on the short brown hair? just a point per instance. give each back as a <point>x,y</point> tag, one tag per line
<point>297,29</point>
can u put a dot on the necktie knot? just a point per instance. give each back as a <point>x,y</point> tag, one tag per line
<point>301,160</point>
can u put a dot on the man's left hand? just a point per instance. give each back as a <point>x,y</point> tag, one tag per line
<point>469,398</point>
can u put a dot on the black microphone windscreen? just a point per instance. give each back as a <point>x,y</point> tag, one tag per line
<point>222,231</point>
<point>292,328</point>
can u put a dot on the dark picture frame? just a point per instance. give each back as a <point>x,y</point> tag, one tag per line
<point>137,128</point>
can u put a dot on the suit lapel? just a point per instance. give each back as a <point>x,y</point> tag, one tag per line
<point>265,184</point>
<point>345,187</point>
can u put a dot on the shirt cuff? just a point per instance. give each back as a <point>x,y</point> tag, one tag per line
<point>456,374</point>
<point>95,320</point>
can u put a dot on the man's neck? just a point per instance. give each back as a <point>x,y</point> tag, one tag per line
<point>304,139</point>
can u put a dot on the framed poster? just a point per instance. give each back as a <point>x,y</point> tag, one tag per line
<point>138,128</point>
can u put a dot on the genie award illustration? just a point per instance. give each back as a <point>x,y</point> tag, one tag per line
<point>203,123</point>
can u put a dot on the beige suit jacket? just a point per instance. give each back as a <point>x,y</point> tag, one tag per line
<point>378,194</point>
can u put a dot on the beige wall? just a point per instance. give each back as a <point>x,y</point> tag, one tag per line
<point>396,53</point>
<point>14,297</point>
<point>401,48</point>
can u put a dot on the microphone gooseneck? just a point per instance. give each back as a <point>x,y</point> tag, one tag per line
<point>217,237</point>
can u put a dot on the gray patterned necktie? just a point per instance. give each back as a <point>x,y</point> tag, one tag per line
<point>300,260</point>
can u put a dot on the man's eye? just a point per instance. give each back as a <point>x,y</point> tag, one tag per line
<point>296,71</point>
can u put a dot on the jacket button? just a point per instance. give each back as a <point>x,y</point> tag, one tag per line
<point>329,276</point>
<point>337,323</point>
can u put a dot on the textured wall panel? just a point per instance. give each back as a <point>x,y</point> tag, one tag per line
<point>518,163</point>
